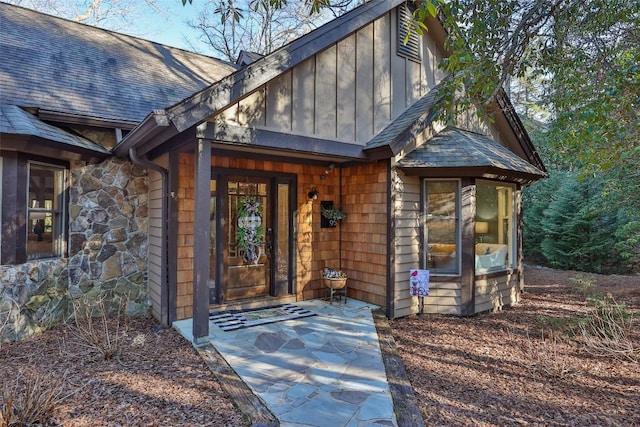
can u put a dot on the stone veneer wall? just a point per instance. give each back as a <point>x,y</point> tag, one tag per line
<point>108,213</point>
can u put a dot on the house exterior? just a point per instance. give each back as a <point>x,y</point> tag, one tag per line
<point>197,185</point>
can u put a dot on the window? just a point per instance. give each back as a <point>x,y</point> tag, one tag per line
<point>45,208</point>
<point>408,41</point>
<point>494,226</point>
<point>442,225</point>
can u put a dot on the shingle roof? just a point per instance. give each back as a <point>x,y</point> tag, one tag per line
<point>456,148</point>
<point>16,121</point>
<point>59,65</point>
<point>409,124</point>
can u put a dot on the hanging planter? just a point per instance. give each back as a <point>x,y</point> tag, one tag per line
<point>331,214</point>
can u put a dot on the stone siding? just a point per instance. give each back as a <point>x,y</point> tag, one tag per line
<point>108,245</point>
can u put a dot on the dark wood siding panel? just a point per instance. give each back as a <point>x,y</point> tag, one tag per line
<point>14,209</point>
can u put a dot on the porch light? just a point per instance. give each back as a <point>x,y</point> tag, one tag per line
<point>313,194</point>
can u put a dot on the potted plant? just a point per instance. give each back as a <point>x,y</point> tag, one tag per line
<point>334,279</point>
<point>333,214</point>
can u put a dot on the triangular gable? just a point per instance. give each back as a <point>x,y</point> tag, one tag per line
<point>203,104</point>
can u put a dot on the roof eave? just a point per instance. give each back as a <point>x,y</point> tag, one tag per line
<point>486,172</point>
<point>155,129</point>
<point>43,147</point>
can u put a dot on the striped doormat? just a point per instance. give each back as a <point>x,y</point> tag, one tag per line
<point>235,319</point>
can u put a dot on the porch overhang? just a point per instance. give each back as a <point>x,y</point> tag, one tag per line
<point>274,142</point>
<point>454,152</point>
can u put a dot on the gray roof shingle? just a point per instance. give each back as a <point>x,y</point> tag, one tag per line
<point>58,65</point>
<point>14,120</point>
<point>409,124</point>
<point>456,148</point>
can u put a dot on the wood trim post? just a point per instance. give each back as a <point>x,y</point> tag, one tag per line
<point>14,209</point>
<point>201,242</point>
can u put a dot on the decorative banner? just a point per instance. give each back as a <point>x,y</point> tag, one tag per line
<point>419,282</point>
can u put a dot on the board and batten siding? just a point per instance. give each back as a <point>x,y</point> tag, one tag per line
<point>347,92</point>
<point>155,237</point>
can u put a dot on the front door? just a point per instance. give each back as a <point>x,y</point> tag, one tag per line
<point>250,241</point>
<point>247,231</point>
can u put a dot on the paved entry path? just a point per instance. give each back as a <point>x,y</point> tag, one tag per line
<point>324,370</point>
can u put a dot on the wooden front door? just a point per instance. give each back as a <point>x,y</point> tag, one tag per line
<point>247,232</point>
<point>251,236</point>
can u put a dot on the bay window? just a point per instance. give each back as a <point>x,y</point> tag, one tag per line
<point>494,226</point>
<point>442,225</point>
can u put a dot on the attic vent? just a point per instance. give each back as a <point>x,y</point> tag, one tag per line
<point>411,49</point>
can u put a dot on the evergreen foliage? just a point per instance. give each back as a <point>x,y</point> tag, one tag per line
<point>581,223</point>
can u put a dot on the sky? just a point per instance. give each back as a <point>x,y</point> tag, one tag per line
<point>170,27</point>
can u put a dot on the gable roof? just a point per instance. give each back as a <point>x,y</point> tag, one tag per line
<point>62,66</point>
<point>459,149</point>
<point>198,107</point>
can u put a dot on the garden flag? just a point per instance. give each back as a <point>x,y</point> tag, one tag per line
<point>419,282</point>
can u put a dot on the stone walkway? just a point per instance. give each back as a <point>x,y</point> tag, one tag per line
<point>325,370</point>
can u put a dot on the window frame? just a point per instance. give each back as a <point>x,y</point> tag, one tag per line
<point>14,212</point>
<point>512,216</point>
<point>458,224</point>
<point>57,213</point>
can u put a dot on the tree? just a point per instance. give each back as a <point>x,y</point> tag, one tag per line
<point>229,26</point>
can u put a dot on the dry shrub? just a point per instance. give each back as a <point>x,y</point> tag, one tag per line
<point>606,330</point>
<point>29,398</point>
<point>547,358</point>
<point>8,310</point>
<point>101,325</point>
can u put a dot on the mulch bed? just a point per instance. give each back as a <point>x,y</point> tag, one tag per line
<point>520,367</point>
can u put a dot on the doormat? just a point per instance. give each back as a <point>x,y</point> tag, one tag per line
<point>234,319</point>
